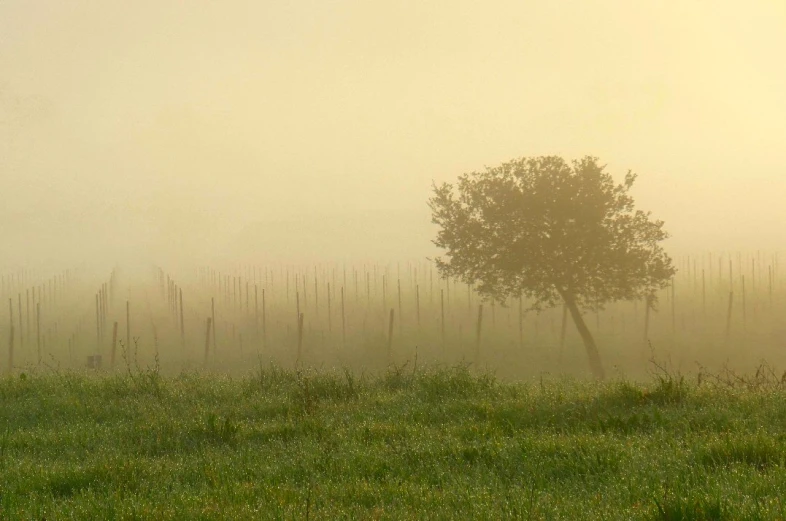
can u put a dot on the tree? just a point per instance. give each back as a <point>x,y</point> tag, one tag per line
<point>551,231</point>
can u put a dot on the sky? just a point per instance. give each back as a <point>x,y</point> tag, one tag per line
<point>313,130</point>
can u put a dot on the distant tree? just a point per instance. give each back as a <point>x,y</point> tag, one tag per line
<point>551,231</point>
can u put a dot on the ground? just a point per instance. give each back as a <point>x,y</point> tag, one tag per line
<point>426,443</point>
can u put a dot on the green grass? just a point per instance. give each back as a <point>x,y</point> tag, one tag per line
<point>437,443</point>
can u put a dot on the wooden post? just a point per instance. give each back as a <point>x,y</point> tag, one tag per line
<point>11,349</point>
<point>673,309</point>
<point>442,315</point>
<point>731,278</point>
<point>744,308</point>
<point>330,323</point>
<point>703,294</point>
<point>368,289</point>
<point>564,329</point>
<point>478,333</point>
<point>299,339</point>
<point>264,320</point>
<point>98,323</point>
<point>27,311</point>
<point>400,314</point>
<point>182,323</point>
<point>343,321</point>
<point>728,316</point>
<point>417,303</point>
<point>11,336</point>
<point>521,322</point>
<point>213,321</point>
<point>21,330</point>
<point>769,280</point>
<point>207,338</point>
<point>390,336</point>
<point>38,329</point>
<point>128,326</point>
<point>256,311</point>
<point>114,345</point>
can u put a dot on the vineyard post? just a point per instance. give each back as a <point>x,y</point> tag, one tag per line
<point>390,337</point>
<point>478,334</point>
<point>256,311</point>
<point>400,314</point>
<point>264,320</point>
<point>38,329</point>
<point>11,336</point>
<point>98,322</point>
<point>417,303</point>
<point>343,321</point>
<point>744,310</point>
<point>11,349</point>
<point>128,326</point>
<point>299,339</point>
<point>731,279</point>
<point>213,322</point>
<point>521,322</point>
<point>728,316</point>
<point>22,334</point>
<point>769,278</point>
<point>564,328</point>
<point>673,309</point>
<point>207,338</point>
<point>114,345</point>
<point>330,323</point>
<point>442,315</point>
<point>182,323</point>
<point>703,294</point>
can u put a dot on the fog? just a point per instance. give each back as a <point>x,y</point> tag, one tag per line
<point>304,131</point>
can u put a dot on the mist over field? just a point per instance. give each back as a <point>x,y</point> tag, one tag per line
<point>213,140</point>
<point>404,259</point>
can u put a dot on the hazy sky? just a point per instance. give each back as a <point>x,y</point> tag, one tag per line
<point>315,128</point>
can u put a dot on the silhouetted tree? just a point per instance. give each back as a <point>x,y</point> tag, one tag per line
<point>551,231</point>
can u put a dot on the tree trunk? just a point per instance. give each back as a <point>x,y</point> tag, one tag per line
<point>586,336</point>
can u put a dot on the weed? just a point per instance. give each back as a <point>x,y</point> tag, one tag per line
<point>759,451</point>
<point>222,432</point>
<point>672,508</point>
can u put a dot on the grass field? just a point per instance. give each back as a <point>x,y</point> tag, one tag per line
<point>410,443</point>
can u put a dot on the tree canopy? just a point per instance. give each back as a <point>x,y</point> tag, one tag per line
<point>551,231</point>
